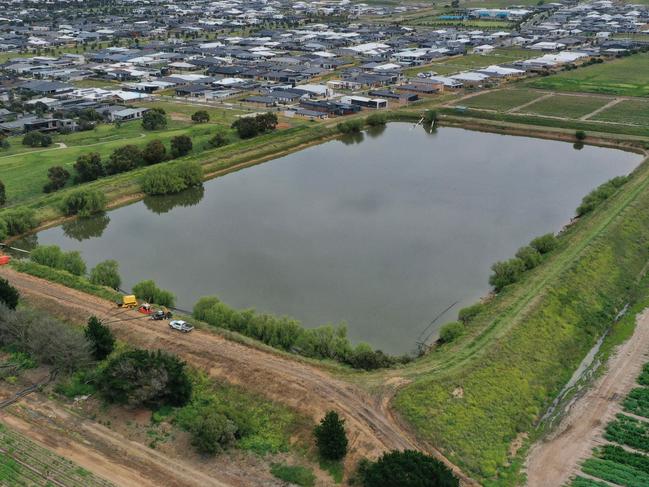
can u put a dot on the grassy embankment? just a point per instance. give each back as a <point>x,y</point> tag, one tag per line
<point>476,397</point>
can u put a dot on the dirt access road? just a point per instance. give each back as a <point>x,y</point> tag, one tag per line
<point>372,428</point>
<point>552,461</point>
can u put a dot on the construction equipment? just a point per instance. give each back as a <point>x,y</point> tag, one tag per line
<point>128,301</point>
<point>145,308</point>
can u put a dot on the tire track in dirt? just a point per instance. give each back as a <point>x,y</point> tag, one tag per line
<point>371,425</point>
<point>553,460</point>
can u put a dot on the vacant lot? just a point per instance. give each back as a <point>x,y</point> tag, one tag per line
<point>566,106</point>
<point>627,111</point>
<point>626,76</point>
<point>501,100</point>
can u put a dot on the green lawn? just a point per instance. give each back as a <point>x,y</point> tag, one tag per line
<point>628,76</point>
<point>472,61</point>
<point>626,111</point>
<point>500,100</point>
<point>567,106</point>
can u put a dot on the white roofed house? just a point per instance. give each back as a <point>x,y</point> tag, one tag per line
<point>484,49</point>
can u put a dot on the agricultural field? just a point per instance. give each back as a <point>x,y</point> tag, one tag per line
<point>625,459</point>
<point>566,106</point>
<point>626,111</point>
<point>24,463</point>
<point>500,100</point>
<point>628,76</point>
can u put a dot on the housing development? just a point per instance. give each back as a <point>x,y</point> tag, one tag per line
<point>318,243</point>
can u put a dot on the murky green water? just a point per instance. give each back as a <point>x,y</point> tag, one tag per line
<point>383,233</point>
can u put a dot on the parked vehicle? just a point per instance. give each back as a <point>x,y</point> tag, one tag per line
<point>161,314</point>
<point>181,325</point>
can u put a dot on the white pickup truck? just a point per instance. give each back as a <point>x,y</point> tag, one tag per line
<point>181,325</point>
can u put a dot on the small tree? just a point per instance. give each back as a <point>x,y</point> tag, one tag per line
<point>3,194</point>
<point>580,135</point>
<point>84,202</point>
<point>530,256</point>
<point>148,291</point>
<point>451,331</point>
<point>154,119</point>
<point>212,432</point>
<point>331,438</point>
<point>201,116</point>
<point>124,159</point>
<point>37,139</point>
<point>545,243</point>
<point>102,341</point>
<point>20,221</point>
<point>9,295</point>
<point>73,263</point>
<point>181,145</point>
<point>89,167</point>
<point>57,176</point>
<point>505,273</point>
<point>106,273</point>
<point>154,152</point>
<point>407,468</point>
<point>219,140</point>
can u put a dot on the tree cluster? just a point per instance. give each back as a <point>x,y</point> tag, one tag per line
<point>248,127</point>
<point>172,178</point>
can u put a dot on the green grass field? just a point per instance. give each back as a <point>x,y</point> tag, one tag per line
<point>474,398</point>
<point>628,76</point>
<point>500,100</point>
<point>566,106</point>
<point>627,111</point>
<point>472,61</point>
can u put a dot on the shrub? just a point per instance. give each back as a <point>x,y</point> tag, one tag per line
<point>106,273</point>
<point>154,119</point>
<point>545,243</point>
<point>20,221</point>
<point>505,273</point>
<point>154,152</point>
<point>530,257</point>
<point>172,179</point>
<point>49,255</point>
<point>44,338</point>
<point>84,202</point>
<point>330,437</point>
<point>580,135</point>
<point>219,140</point>
<point>52,256</point>
<point>102,341</point>
<point>350,126</point>
<point>376,120</point>
<point>3,194</point>
<point>37,139</point>
<point>4,143</point>
<point>57,176</point>
<point>294,474</point>
<point>363,356</point>
<point>201,116</point>
<point>451,331</point>
<point>89,168</point>
<point>141,377</point>
<point>148,291</point>
<point>124,159</point>
<point>181,145</point>
<point>212,432</point>
<point>73,263</point>
<point>248,127</point>
<point>430,117</point>
<point>9,295</point>
<point>604,191</point>
<point>407,468</point>
<point>3,230</point>
<point>466,315</point>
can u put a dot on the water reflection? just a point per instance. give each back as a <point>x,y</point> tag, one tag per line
<point>578,145</point>
<point>84,228</point>
<point>353,138</point>
<point>376,131</point>
<point>185,199</point>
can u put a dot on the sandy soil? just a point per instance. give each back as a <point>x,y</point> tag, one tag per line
<point>372,427</point>
<point>555,459</point>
